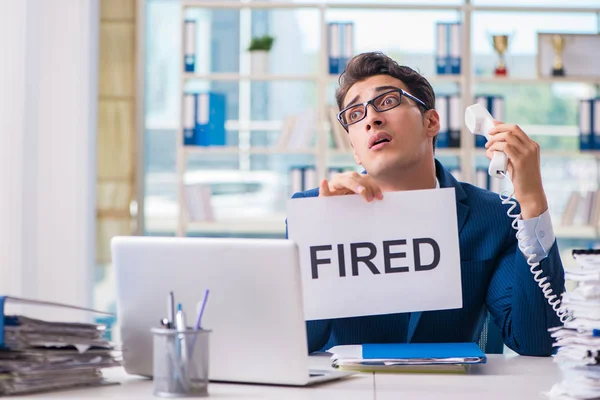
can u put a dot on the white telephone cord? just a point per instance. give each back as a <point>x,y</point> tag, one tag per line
<point>553,300</point>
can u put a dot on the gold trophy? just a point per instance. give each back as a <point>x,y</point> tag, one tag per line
<point>558,43</point>
<point>500,43</point>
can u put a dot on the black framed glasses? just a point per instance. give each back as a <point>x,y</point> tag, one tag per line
<point>384,102</point>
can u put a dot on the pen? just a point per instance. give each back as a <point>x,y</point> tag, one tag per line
<point>199,319</point>
<point>181,326</point>
<point>171,308</point>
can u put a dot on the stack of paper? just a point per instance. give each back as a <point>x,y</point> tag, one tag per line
<point>578,341</point>
<point>407,357</point>
<point>37,355</point>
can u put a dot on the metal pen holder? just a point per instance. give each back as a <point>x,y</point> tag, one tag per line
<point>180,362</point>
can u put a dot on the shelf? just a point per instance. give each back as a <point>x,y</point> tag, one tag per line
<point>272,225</point>
<point>251,150</point>
<point>248,77</point>
<point>576,232</point>
<point>252,4</point>
<point>570,153</point>
<point>555,153</point>
<point>338,152</point>
<point>281,4</point>
<point>433,79</point>
<point>443,152</point>
<point>270,125</point>
<point>396,6</point>
<point>260,226</point>
<point>448,151</point>
<point>532,9</point>
<point>383,6</point>
<point>534,80</point>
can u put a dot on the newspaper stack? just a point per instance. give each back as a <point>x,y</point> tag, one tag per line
<point>578,341</point>
<point>40,355</point>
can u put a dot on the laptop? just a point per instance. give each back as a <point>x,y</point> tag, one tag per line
<point>254,308</point>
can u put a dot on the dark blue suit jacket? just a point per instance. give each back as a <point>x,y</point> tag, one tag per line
<point>495,278</point>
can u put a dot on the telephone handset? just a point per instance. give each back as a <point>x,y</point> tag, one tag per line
<point>479,121</point>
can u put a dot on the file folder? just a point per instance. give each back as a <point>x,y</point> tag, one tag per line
<point>408,357</point>
<point>435,352</point>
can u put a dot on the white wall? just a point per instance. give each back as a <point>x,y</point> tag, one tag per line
<point>48,105</point>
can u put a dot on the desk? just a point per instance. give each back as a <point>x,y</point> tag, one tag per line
<point>503,377</point>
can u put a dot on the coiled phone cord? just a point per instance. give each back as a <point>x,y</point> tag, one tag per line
<point>554,301</point>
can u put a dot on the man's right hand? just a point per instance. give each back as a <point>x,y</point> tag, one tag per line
<point>351,183</point>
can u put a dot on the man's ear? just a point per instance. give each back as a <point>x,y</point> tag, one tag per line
<point>356,158</point>
<point>432,122</point>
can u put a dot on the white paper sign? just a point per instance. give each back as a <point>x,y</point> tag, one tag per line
<point>395,255</point>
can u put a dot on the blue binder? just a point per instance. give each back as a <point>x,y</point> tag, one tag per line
<point>587,117</point>
<point>189,118</point>
<point>210,119</point>
<point>340,45</point>
<point>494,104</point>
<point>448,38</point>
<point>443,107</point>
<point>189,43</point>
<point>469,352</point>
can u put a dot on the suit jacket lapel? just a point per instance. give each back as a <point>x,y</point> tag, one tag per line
<point>462,211</point>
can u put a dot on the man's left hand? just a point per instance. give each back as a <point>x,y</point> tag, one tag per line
<point>523,166</point>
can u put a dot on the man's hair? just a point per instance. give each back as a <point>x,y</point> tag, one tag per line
<point>365,65</point>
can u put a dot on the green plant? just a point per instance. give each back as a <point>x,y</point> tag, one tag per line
<point>261,43</point>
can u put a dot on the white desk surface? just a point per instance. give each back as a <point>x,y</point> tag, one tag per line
<point>502,377</point>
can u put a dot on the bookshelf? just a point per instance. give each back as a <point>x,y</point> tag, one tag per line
<point>321,152</point>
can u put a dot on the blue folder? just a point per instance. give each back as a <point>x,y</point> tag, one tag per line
<point>408,357</point>
<point>440,351</point>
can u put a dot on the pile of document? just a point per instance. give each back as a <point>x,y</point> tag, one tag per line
<point>578,341</point>
<point>39,355</point>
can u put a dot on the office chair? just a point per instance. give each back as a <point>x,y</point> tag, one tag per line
<point>490,339</point>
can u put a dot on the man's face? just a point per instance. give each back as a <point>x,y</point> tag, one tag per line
<point>388,140</point>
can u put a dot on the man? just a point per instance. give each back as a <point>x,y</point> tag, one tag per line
<point>388,112</point>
